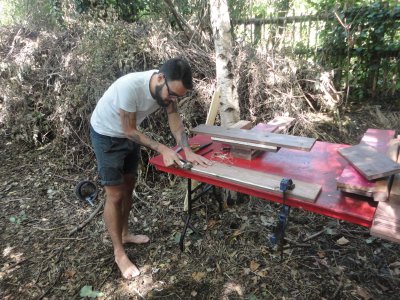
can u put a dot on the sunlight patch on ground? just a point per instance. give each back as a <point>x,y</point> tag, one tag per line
<point>7,251</point>
<point>232,288</point>
<point>14,259</point>
<point>144,283</point>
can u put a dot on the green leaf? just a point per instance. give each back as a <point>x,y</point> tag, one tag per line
<point>87,291</point>
<point>13,219</point>
<point>177,237</point>
<point>330,231</point>
<point>370,240</point>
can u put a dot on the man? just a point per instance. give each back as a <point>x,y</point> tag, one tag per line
<point>116,141</point>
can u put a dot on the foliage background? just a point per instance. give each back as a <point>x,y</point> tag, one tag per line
<point>58,57</point>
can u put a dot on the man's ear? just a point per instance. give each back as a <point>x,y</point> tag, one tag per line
<point>160,77</point>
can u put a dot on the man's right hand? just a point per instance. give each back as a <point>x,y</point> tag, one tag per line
<point>170,157</point>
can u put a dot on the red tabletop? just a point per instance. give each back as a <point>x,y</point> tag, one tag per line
<point>322,165</point>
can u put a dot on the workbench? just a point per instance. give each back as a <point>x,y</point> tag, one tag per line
<point>322,165</point>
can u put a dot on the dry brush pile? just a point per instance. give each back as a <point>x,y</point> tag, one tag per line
<point>50,82</point>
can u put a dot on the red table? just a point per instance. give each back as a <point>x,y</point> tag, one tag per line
<point>320,166</point>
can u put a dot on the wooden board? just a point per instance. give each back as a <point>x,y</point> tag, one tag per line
<point>383,186</point>
<point>249,151</point>
<point>358,192</point>
<point>270,139</point>
<point>351,179</point>
<point>242,124</point>
<point>395,189</point>
<point>214,106</point>
<point>394,194</point>
<point>370,163</point>
<point>244,145</point>
<point>280,124</point>
<point>386,223</point>
<point>259,180</point>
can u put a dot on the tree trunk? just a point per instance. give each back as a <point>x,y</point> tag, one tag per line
<point>220,21</point>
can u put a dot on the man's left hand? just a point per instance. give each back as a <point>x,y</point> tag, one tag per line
<point>196,159</point>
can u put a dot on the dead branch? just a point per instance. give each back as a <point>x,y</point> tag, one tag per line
<point>94,213</point>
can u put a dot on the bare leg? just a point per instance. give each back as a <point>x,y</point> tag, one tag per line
<point>113,218</point>
<point>127,237</point>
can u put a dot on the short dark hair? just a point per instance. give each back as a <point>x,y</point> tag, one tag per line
<point>178,69</point>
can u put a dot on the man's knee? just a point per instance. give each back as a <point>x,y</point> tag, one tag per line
<point>115,194</point>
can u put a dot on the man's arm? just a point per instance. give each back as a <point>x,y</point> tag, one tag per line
<point>128,120</point>
<point>176,126</point>
<point>178,131</point>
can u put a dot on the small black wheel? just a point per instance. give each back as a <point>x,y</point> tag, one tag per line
<point>86,191</point>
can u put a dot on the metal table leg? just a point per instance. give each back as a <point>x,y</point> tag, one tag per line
<point>191,199</point>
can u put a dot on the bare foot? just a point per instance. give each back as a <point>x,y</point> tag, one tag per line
<point>128,269</point>
<point>135,239</point>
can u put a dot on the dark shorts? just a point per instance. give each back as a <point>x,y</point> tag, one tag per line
<point>115,157</point>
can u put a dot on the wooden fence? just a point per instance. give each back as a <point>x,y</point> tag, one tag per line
<point>299,37</point>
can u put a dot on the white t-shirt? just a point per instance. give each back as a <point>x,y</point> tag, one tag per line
<point>130,93</point>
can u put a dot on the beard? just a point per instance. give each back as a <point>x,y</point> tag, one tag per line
<point>157,96</point>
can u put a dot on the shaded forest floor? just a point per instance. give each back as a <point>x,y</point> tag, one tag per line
<point>50,82</point>
<point>229,259</point>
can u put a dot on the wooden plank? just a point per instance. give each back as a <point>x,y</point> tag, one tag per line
<point>394,195</point>
<point>244,145</point>
<point>385,230</point>
<point>388,211</point>
<point>382,186</point>
<point>270,139</point>
<point>386,223</point>
<point>378,138</point>
<point>242,124</point>
<point>382,189</point>
<point>358,192</point>
<point>214,106</point>
<point>395,190</point>
<point>211,115</point>
<point>259,180</point>
<point>370,163</point>
<point>351,179</point>
<point>249,151</point>
<point>281,124</point>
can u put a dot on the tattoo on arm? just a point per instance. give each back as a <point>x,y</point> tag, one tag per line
<point>128,120</point>
<point>184,139</point>
<point>144,140</point>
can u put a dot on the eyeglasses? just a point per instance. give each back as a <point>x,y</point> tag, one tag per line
<point>171,95</point>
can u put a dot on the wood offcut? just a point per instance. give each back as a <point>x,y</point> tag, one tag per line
<point>370,163</point>
<point>383,186</point>
<point>386,223</point>
<point>259,180</point>
<point>249,136</point>
<point>351,180</point>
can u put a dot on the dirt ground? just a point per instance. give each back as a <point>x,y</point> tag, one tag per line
<point>43,257</point>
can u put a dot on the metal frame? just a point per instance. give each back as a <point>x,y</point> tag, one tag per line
<point>191,199</point>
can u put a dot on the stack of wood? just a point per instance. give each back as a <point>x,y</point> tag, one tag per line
<point>374,172</point>
<point>247,143</point>
<point>249,151</point>
<point>262,137</point>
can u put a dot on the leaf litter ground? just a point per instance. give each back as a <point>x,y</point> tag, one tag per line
<point>227,258</point>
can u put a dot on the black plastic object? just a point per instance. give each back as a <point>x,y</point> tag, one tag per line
<point>86,191</point>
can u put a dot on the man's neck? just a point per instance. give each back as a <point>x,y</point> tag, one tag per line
<point>152,84</point>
